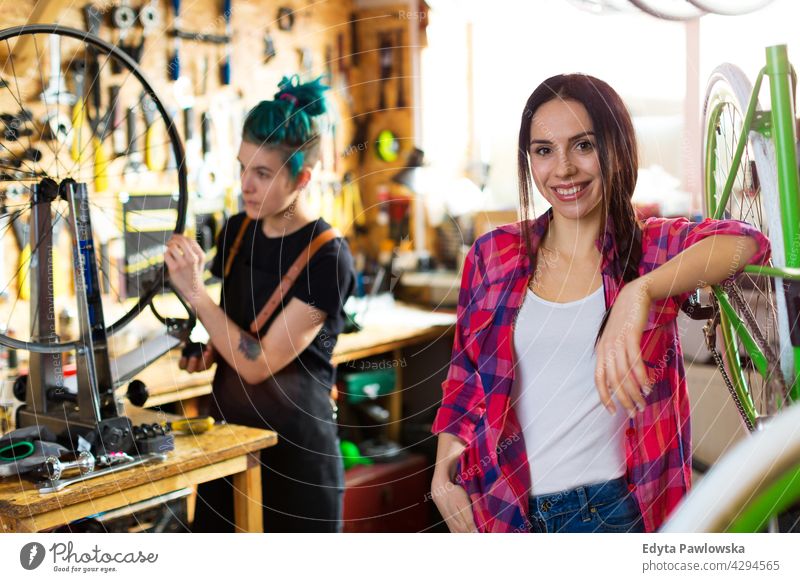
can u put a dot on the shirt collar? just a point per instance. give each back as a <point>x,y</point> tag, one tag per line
<point>605,243</point>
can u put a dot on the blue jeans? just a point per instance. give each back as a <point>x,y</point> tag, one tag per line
<point>602,508</point>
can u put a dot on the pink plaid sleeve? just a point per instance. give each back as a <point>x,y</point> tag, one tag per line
<point>665,238</point>
<point>463,398</point>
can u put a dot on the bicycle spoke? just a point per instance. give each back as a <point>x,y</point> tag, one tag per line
<point>22,264</point>
<point>17,98</point>
<point>71,157</point>
<point>46,105</point>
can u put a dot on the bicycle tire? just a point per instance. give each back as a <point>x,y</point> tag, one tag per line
<point>754,481</point>
<point>730,7</point>
<point>754,200</point>
<point>675,10</point>
<point>130,71</point>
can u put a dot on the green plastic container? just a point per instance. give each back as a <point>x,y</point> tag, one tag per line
<point>361,386</point>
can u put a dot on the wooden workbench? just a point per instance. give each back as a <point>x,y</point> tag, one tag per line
<point>224,450</point>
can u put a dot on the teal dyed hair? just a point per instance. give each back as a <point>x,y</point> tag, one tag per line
<point>287,122</point>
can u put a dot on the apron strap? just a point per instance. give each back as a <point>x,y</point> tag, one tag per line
<point>237,242</point>
<point>288,279</point>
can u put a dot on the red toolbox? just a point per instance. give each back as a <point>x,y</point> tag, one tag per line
<point>388,497</point>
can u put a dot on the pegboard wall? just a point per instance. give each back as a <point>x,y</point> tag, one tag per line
<point>344,40</point>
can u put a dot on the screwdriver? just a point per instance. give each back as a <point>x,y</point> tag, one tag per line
<point>194,425</point>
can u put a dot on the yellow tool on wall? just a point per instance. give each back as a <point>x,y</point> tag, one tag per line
<point>352,195</point>
<point>101,162</point>
<point>78,117</point>
<point>155,152</point>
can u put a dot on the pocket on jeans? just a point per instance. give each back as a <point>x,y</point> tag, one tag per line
<point>620,515</point>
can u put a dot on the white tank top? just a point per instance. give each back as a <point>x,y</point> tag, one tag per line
<point>570,437</point>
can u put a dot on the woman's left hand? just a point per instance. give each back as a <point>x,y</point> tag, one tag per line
<point>620,371</point>
<point>185,261</point>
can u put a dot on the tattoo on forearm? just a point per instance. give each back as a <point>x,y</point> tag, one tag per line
<point>248,346</point>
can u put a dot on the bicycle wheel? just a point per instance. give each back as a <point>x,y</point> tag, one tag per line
<point>669,9</point>
<point>753,482</point>
<point>75,108</point>
<point>758,301</point>
<point>730,7</point>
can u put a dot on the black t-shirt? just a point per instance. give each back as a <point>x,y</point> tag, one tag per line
<point>325,283</point>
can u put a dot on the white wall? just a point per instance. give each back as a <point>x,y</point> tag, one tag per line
<point>522,42</point>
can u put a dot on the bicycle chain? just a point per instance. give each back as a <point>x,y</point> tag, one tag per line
<point>775,377</point>
<point>710,332</point>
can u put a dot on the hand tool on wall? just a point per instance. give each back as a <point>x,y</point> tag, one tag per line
<point>78,113</point>
<point>15,125</point>
<point>21,231</point>
<point>200,75</point>
<point>119,144</point>
<point>178,33</point>
<point>30,154</point>
<point>94,20</point>
<point>401,94</point>
<point>269,47</point>
<point>155,157</point>
<point>172,163</point>
<point>55,95</point>
<point>224,110</point>
<point>193,147</point>
<point>327,60</point>
<point>385,57</point>
<point>150,18</point>
<point>354,56</point>
<point>343,73</point>
<point>123,17</point>
<point>227,14</point>
<point>306,61</point>
<point>360,136</point>
<point>134,163</point>
<point>208,186</point>
<point>174,67</point>
<point>100,123</point>
<point>352,195</point>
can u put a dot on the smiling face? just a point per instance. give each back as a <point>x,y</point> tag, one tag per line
<point>267,186</point>
<point>564,158</point>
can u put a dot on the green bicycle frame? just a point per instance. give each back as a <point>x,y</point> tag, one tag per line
<point>779,125</point>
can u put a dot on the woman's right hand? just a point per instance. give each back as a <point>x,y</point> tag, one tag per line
<point>451,499</point>
<point>198,363</point>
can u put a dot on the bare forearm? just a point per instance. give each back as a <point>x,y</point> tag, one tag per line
<point>241,351</point>
<point>708,262</point>
<point>448,450</point>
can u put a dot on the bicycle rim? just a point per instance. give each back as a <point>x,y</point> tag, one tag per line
<point>77,108</point>
<point>730,7</point>
<point>754,481</point>
<point>668,9</point>
<point>752,200</point>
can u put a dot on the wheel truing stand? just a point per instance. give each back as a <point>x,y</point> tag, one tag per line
<point>47,401</point>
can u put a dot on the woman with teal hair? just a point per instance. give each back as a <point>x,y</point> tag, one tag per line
<point>285,277</point>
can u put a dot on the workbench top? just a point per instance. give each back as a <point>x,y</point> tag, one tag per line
<point>223,450</point>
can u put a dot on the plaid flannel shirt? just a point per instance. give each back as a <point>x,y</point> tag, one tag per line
<point>476,403</point>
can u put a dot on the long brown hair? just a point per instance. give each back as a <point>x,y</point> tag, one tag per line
<point>619,162</point>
